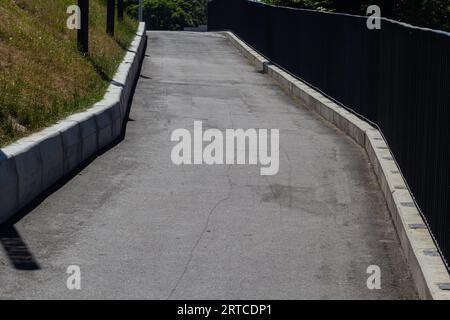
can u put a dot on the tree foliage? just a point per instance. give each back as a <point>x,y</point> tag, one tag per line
<point>304,4</point>
<point>425,13</point>
<point>170,14</point>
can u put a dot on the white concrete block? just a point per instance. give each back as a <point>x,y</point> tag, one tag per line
<point>29,170</point>
<point>103,119</point>
<point>88,128</point>
<point>9,185</point>
<point>52,156</point>
<point>72,145</point>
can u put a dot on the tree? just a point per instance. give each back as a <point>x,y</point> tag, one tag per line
<point>425,13</point>
<point>433,14</point>
<point>170,14</point>
<point>304,4</point>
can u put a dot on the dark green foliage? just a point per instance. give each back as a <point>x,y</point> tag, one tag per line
<point>170,14</point>
<point>433,14</point>
<point>427,13</point>
<point>304,4</point>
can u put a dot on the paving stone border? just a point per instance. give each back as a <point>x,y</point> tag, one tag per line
<point>33,164</point>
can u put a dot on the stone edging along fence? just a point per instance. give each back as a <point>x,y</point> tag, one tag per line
<point>33,164</point>
<point>426,265</point>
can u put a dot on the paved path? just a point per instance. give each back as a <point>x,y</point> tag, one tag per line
<point>141,227</point>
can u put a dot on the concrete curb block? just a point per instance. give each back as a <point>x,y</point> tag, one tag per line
<point>258,60</point>
<point>427,267</point>
<point>33,164</point>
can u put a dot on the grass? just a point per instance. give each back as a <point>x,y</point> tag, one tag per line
<point>43,77</point>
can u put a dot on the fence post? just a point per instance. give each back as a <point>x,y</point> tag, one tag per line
<point>120,10</point>
<point>110,17</point>
<point>141,14</point>
<point>83,32</point>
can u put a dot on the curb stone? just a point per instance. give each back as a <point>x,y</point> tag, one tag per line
<point>33,164</point>
<point>428,271</point>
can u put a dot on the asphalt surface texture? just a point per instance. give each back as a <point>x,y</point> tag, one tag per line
<point>140,227</point>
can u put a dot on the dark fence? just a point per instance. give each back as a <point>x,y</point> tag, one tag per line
<point>83,32</point>
<point>397,77</point>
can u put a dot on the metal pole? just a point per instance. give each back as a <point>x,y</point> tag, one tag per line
<point>120,10</point>
<point>83,32</point>
<point>110,17</point>
<point>141,11</point>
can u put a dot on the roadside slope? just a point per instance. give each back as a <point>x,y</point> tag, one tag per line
<point>43,77</point>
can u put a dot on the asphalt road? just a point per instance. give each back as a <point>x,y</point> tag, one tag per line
<point>139,226</point>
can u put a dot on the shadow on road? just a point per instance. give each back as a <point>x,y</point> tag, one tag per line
<point>16,249</point>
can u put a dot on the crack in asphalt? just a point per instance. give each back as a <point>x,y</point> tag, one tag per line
<point>290,177</point>
<point>205,227</point>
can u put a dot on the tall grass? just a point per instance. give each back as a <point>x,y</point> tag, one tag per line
<point>43,77</point>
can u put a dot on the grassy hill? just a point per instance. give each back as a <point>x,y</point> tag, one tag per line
<point>43,77</point>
